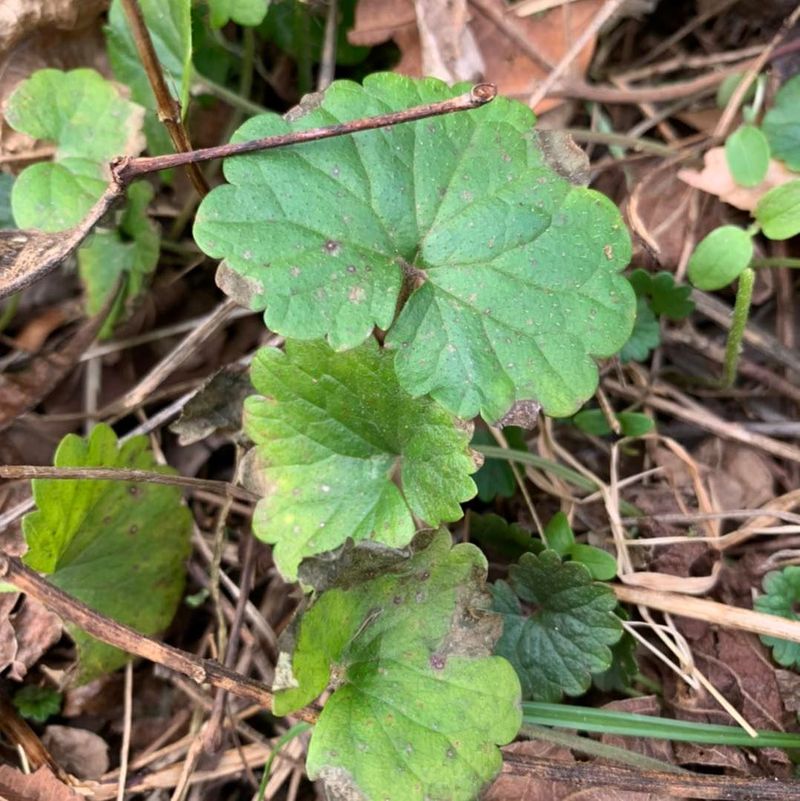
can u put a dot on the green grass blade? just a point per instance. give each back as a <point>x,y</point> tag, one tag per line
<point>632,725</point>
<point>549,466</point>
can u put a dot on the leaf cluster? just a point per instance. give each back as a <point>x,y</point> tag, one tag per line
<point>492,284</point>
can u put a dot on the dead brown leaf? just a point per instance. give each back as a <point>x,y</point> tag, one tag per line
<point>739,477</point>
<point>449,49</point>
<point>20,18</point>
<point>526,788</point>
<point>80,752</point>
<point>20,392</point>
<point>646,746</point>
<point>36,331</point>
<point>512,67</point>
<point>716,179</point>
<point>39,786</point>
<point>27,630</point>
<point>510,787</point>
<point>738,665</point>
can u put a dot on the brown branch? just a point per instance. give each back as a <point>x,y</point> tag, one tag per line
<point>201,671</point>
<point>27,471</point>
<point>623,777</point>
<point>169,110</point>
<point>127,169</point>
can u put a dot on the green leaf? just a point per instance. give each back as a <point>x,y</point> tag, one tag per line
<point>90,122</point>
<point>720,257</point>
<point>666,297</point>
<point>512,272</point>
<point>558,534</point>
<point>781,598</point>
<point>170,27</point>
<point>119,547</point>
<point>6,217</point>
<point>243,12</point>
<point>37,703</point>
<point>747,154</point>
<point>782,124</point>
<point>778,211</point>
<point>566,637</point>
<point>728,87</point>
<point>633,424</point>
<point>341,451</point>
<point>131,250</point>
<point>495,477</point>
<point>645,337</point>
<point>601,565</point>
<point>496,534</point>
<point>418,706</point>
<point>624,666</point>
<point>283,27</point>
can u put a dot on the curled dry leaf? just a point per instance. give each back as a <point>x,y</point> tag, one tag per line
<point>39,786</point>
<point>716,179</point>
<point>27,630</point>
<point>20,18</point>
<point>470,38</point>
<point>20,392</point>
<point>80,752</point>
<point>28,256</point>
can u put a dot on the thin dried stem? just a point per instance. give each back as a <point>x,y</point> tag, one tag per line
<point>28,471</point>
<point>201,671</point>
<point>127,169</point>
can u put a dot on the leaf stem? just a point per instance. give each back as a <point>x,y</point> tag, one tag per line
<point>127,169</point>
<point>741,312</point>
<point>237,101</point>
<point>778,261</point>
<point>169,109</point>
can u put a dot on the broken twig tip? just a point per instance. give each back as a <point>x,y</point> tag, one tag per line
<point>483,93</point>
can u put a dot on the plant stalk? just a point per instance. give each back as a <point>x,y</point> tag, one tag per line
<point>741,312</point>
<point>169,109</point>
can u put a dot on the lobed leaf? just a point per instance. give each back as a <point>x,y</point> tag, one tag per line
<point>646,334</point>
<point>419,705</point>
<point>557,647</point>
<point>61,107</point>
<point>243,12</point>
<point>119,547</point>
<point>781,597</point>
<point>666,297</point>
<point>342,451</point>
<point>511,272</point>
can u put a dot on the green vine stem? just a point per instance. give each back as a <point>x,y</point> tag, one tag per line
<point>741,311</point>
<point>777,261</point>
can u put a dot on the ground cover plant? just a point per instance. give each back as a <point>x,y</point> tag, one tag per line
<point>398,512</point>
